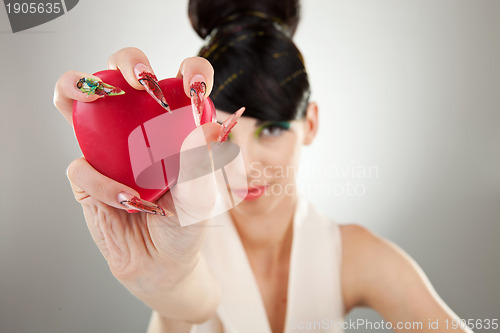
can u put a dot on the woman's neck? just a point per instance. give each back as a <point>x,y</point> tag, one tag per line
<point>268,235</point>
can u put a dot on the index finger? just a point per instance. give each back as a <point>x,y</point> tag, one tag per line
<point>196,69</point>
<point>127,60</point>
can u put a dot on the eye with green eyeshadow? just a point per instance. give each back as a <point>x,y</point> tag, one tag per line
<point>272,129</point>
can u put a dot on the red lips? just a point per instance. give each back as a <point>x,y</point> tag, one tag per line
<point>132,139</point>
<point>252,194</point>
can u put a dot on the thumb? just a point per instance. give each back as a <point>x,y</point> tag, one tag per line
<point>195,193</point>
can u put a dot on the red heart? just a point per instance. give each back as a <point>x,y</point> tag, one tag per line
<point>132,139</point>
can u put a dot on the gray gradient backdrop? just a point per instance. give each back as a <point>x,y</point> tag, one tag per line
<point>409,87</point>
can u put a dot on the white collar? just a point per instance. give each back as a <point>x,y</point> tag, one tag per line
<point>313,292</point>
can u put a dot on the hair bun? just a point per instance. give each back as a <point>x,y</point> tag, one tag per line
<point>207,15</point>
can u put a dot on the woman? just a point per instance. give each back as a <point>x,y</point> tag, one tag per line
<point>274,264</point>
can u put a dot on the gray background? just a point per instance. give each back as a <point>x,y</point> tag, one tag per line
<point>410,87</point>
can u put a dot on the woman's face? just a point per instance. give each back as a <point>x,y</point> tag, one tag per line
<point>271,151</point>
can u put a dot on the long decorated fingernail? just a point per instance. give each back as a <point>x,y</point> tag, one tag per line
<point>197,90</point>
<point>228,124</point>
<point>95,87</point>
<point>145,77</point>
<point>134,203</point>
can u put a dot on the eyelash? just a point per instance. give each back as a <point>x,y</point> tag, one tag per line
<point>272,128</point>
<point>281,126</point>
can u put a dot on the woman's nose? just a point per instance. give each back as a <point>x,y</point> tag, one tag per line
<point>248,150</point>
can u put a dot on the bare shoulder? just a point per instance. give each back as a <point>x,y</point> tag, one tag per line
<point>360,251</point>
<point>378,274</point>
<point>374,270</point>
<point>366,247</point>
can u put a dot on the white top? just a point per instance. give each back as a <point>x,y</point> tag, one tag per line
<point>314,302</point>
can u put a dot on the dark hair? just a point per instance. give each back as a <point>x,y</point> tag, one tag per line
<point>256,63</point>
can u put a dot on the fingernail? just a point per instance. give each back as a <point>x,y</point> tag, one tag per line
<point>197,90</point>
<point>146,77</point>
<point>95,87</point>
<point>228,125</point>
<point>134,203</point>
<point>212,107</point>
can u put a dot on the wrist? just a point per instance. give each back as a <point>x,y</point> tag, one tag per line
<point>193,299</point>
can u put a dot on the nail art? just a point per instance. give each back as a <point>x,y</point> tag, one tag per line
<point>150,83</point>
<point>214,114</point>
<point>95,87</point>
<point>197,91</point>
<point>135,203</point>
<point>228,125</point>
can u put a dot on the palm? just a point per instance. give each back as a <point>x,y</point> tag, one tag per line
<point>142,246</point>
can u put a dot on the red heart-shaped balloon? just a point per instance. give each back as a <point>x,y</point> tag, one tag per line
<point>132,139</point>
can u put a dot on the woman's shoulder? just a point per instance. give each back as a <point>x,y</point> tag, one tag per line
<point>353,233</point>
<point>365,249</point>
<point>361,255</point>
<point>376,272</point>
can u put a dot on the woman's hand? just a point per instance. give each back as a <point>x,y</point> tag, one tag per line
<point>151,255</point>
